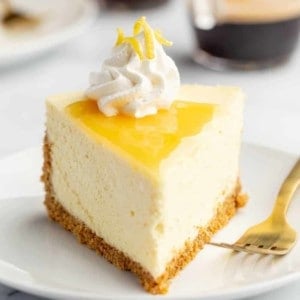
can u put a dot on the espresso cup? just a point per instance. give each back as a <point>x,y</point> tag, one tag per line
<point>132,4</point>
<point>245,34</point>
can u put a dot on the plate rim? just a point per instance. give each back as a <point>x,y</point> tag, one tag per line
<point>248,290</point>
<point>36,47</point>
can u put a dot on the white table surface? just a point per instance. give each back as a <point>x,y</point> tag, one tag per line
<point>272,114</point>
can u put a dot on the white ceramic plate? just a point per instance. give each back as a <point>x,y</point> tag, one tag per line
<point>39,257</point>
<point>61,20</point>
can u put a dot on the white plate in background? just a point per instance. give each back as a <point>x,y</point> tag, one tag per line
<point>60,20</point>
<point>39,257</point>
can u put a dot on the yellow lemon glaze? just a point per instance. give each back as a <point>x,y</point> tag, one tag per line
<point>150,139</point>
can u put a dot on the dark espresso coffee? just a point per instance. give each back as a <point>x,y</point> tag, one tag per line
<point>245,33</point>
<point>250,42</point>
<point>134,4</point>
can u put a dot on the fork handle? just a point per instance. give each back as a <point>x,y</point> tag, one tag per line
<point>286,192</point>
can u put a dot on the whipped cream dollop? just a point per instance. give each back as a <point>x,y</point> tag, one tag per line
<point>131,85</point>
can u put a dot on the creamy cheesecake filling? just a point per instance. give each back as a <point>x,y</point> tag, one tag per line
<point>190,200</point>
<point>92,183</point>
<point>147,219</point>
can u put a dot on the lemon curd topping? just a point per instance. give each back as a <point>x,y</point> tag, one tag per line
<point>150,139</point>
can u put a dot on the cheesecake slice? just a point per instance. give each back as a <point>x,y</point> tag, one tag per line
<point>145,193</point>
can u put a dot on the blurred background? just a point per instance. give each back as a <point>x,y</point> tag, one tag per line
<point>50,46</point>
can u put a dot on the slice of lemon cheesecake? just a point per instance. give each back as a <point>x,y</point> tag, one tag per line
<point>139,168</point>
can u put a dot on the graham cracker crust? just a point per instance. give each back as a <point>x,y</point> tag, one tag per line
<point>84,235</point>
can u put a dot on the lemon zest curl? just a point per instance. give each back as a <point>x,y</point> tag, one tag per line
<point>150,36</point>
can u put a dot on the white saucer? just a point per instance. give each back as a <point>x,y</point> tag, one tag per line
<point>60,20</point>
<point>39,257</point>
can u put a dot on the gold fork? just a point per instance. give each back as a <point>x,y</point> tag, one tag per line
<point>274,235</point>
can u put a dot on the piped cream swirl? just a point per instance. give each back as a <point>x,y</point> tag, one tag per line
<point>133,86</point>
